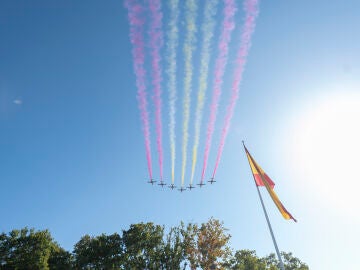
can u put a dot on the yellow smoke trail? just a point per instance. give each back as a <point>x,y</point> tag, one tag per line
<point>171,45</point>
<point>189,46</point>
<point>208,33</point>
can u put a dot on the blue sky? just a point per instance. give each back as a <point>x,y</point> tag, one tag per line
<point>72,153</point>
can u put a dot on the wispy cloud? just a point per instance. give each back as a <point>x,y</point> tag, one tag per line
<point>18,101</point>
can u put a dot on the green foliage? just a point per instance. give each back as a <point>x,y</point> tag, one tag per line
<point>190,244</point>
<point>173,251</point>
<point>59,259</point>
<point>25,249</point>
<point>247,260</point>
<point>142,246</point>
<point>207,246</point>
<point>100,252</point>
<point>293,263</point>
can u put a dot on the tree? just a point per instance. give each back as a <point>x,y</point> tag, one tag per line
<point>60,259</point>
<point>25,249</point>
<point>173,251</point>
<point>293,263</point>
<point>207,246</point>
<point>271,262</point>
<point>247,260</point>
<point>4,250</point>
<point>143,245</point>
<point>100,252</point>
<point>190,244</point>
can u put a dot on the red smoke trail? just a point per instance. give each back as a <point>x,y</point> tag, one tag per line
<point>136,21</point>
<point>251,12</point>
<point>227,28</point>
<point>156,42</point>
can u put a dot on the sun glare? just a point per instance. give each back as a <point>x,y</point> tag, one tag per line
<point>327,151</point>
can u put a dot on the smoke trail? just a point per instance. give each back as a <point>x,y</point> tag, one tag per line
<point>136,21</point>
<point>171,71</point>
<point>251,12</point>
<point>225,36</point>
<point>207,33</point>
<point>156,41</point>
<point>189,46</point>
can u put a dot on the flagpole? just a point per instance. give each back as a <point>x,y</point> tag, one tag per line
<point>268,221</point>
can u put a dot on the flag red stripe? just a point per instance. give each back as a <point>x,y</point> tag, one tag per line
<point>260,183</point>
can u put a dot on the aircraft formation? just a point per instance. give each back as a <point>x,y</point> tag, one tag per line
<point>180,63</point>
<point>182,188</point>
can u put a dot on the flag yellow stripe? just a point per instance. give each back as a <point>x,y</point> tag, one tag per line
<point>255,168</point>
<point>276,200</point>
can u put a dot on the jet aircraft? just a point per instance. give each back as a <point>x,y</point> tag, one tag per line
<point>201,184</point>
<point>182,189</point>
<point>162,184</point>
<point>172,186</point>
<point>211,181</point>
<point>191,187</point>
<point>152,181</point>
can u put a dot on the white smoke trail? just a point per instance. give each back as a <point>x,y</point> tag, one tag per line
<point>171,46</point>
<point>207,30</point>
<point>189,47</point>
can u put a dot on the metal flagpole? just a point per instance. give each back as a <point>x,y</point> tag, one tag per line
<point>267,217</point>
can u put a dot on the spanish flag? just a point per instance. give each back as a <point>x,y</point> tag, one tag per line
<point>262,179</point>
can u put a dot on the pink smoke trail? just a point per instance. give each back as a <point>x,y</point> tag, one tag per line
<point>251,12</point>
<point>225,36</point>
<point>136,21</point>
<point>156,42</point>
